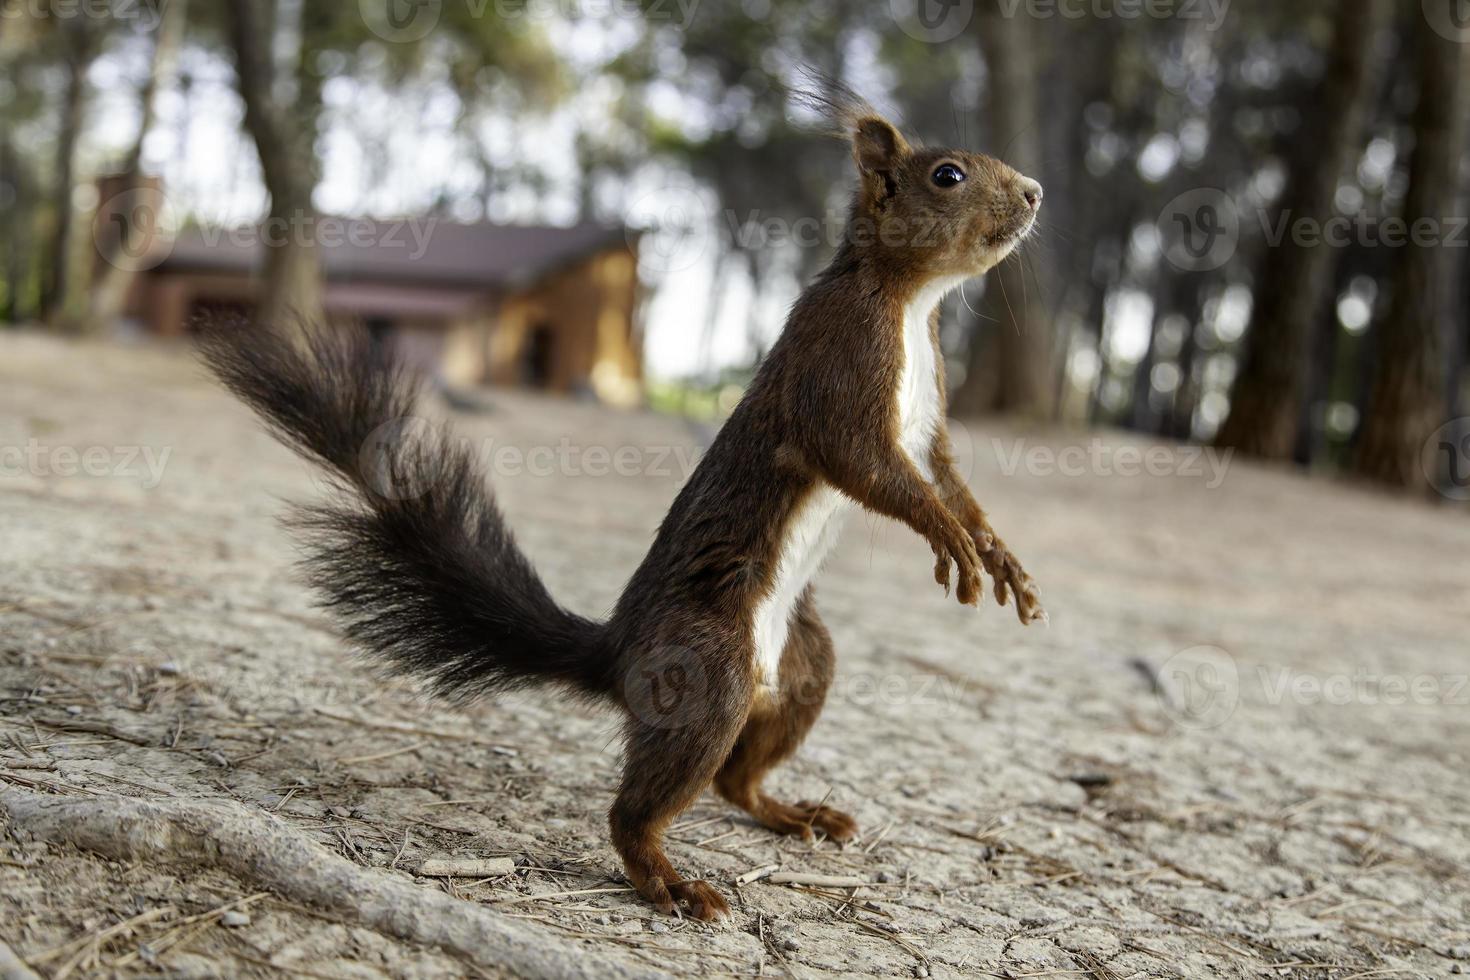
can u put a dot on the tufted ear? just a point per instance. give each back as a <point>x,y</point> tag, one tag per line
<point>878,149</point>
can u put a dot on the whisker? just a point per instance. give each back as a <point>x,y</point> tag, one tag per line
<point>966,300</point>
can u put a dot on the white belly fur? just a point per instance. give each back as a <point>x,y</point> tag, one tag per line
<point>813,530</point>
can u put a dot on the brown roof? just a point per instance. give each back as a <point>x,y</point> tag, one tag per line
<point>416,251</point>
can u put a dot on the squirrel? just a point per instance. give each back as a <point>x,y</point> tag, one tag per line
<point>715,651</point>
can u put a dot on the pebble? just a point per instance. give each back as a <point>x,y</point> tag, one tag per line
<point>658,927</point>
<point>73,709</point>
<point>234,919</point>
<point>168,669</point>
<point>790,945</point>
<point>341,812</point>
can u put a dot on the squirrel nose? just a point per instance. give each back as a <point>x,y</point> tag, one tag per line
<point>1031,190</point>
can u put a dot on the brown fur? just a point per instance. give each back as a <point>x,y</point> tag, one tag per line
<point>823,409</point>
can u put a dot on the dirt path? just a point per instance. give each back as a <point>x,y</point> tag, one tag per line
<point>1240,750</point>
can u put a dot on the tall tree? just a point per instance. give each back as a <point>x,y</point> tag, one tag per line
<point>15,218</point>
<point>285,139</point>
<point>1408,395</point>
<point>111,284</point>
<point>81,39</point>
<point>1297,275</point>
<point>1010,358</point>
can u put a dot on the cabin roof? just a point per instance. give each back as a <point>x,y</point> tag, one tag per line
<point>412,251</point>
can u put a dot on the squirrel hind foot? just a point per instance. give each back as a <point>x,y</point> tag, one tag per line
<point>700,899</point>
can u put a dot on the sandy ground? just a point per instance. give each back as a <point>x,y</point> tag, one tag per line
<point>1240,749</point>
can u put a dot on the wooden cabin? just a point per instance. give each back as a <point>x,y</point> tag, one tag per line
<point>546,307</point>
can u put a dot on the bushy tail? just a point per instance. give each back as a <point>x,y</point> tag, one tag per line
<point>413,556</point>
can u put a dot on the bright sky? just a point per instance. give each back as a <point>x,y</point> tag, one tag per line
<point>374,164</point>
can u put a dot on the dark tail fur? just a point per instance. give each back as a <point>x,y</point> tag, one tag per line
<point>413,556</point>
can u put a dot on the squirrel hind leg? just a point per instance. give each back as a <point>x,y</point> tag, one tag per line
<point>776,726</point>
<point>680,731</point>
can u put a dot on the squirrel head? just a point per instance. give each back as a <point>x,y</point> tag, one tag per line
<point>932,213</point>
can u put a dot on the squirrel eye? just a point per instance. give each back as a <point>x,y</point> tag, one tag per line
<point>948,175</point>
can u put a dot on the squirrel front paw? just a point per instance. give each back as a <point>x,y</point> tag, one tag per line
<point>1010,578</point>
<point>952,545</point>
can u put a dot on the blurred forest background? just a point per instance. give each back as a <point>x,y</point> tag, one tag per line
<point>1253,232</point>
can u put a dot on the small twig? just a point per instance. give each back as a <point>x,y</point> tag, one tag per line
<point>379,756</point>
<point>756,874</point>
<point>818,809</point>
<point>816,881</point>
<point>467,867</point>
<point>910,948</point>
<point>401,848</point>
<point>79,949</point>
<point>398,726</point>
<point>12,967</point>
<point>580,891</point>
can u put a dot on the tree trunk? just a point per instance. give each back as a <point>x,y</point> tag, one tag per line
<point>1170,297</point>
<point>15,217</point>
<point>1265,403</point>
<point>1010,357</point>
<point>285,143</point>
<point>140,215</point>
<point>1408,396</point>
<point>80,39</point>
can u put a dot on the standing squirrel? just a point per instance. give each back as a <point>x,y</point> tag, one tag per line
<point>715,650</point>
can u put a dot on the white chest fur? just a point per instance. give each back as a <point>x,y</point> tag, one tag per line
<point>919,414</point>
<point>813,530</point>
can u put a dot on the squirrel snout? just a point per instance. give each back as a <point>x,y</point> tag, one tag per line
<point>1031,191</point>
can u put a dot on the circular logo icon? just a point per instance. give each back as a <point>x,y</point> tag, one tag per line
<point>667,688</point>
<point>401,21</point>
<point>1446,459</point>
<point>1200,230</point>
<point>671,229</point>
<point>135,229</point>
<point>390,454</point>
<point>756,9</point>
<point>932,21</point>
<point>1450,19</point>
<point>1200,687</point>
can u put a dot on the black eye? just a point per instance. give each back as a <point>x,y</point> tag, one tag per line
<point>948,175</point>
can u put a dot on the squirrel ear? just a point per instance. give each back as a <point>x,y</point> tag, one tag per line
<point>878,149</point>
<point>877,146</point>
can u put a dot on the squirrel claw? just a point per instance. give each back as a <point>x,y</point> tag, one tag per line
<point>941,572</point>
